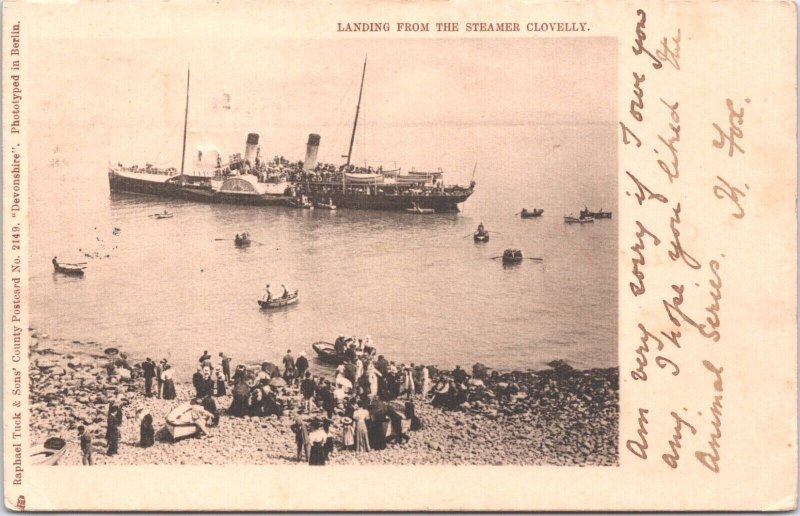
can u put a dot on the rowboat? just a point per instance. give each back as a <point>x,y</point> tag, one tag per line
<point>586,214</point>
<point>323,206</point>
<point>303,205</point>
<point>512,256</point>
<point>164,215</point>
<point>481,237</point>
<point>69,269</point>
<point>327,352</point>
<point>180,422</point>
<point>419,211</point>
<point>242,241</point>
<point>279,301</point>
<point>525,214</point>
<point>573,220</point>
<point>49,453</point>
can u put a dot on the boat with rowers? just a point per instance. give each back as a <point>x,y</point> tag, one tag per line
<point>279,302</point>
<point>249,180</point>
<point>511,256</point>
<point>242,240</point>
<point>586,214</point>
<point>536,212</point>
<point>481,234</point>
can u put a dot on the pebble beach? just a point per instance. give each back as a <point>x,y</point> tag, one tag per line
<point>555,416</point>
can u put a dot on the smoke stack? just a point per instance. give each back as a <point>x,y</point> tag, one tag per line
<point>250,149</point>
<point>311,152</point>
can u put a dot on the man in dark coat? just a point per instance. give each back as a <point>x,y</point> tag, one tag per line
<point>197,379</point>
<point>159,373</point>
<point>113,435</point>
<point>205,384</point>
<point>149,372</point>
<point>382,365</point>
<point>301,365</point>
<point>308,387</point>
<point>328,401</point>
<point>459,375</point>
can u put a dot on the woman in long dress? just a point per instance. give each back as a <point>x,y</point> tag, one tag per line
<point>146,432</point>
<point>317,438</point>
<point>169,383</point>
<point>348,433</point>
<point>426,383</point>
<point>360,417</point>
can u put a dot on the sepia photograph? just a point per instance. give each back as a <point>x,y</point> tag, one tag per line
<point>314,252</point>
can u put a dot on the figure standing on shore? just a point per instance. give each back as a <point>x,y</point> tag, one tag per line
<point>301,365</point>
<point>226,366</point>
<point>222,389</point>
<point>317,438</point>
<point>86,446</point>
<point>360,416</point>
<point>160,377</point>
<point>301,438</point>
<point>308,388</point>
<point>426,383</point>
<point>149,372</point>
<point>169,383</point>
<point>288,367</point>
<point>114,421</point>
<point>146,432</point>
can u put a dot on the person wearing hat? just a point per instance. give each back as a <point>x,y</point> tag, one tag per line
<point>149,372</point>
<point>308,387</point>
<point>169,383</point>
<point>113,422</point>
<point>301,365</point>
<point>160,376</point>
<point>301,439</point>
<point>348,433</point>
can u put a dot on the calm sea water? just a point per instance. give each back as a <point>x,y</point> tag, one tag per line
<point>417,284</point>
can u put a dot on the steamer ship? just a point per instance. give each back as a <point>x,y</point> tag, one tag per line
<point>250,180</point>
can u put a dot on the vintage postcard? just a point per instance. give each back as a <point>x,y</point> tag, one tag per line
<point>485,256</point>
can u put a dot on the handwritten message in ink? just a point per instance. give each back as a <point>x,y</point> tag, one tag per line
<point>684,309</point>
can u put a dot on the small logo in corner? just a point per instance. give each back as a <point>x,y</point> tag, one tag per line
<point>21,503</point>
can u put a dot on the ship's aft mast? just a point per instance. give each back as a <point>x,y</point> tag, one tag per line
<point>358,108</point>
<point>185,120</point>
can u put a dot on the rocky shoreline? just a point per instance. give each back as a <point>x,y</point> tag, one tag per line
<point>558,416</point>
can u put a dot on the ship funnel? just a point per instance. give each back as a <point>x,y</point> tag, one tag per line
<point>311,152</point>
<point>250,149</point>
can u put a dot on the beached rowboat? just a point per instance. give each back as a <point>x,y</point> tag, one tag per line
<point>180,422</point>
<point>49,453</point>
<point>327,352</point>
<point>279,301</point>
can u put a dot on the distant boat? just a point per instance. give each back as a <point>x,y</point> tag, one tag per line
<point>573,220</point>
<point>419,211</point>
<point>307,205</point>
<point>164,215</point>
<point>525,214</point>
<point>585,214</point>
<point>49,453</point>
<point>69,269</point>
<point>279,301</point>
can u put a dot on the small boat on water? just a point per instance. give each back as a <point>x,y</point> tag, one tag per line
<point>327,352</point>
<point>512,256</point>
<point>68,269</point>
<point>279,301</point>
<point>180,422</point>
<point>303,204</point>
<point>481,237</point>
<point>536,212</point>
<point>164,215</point>
<point>242,240</point>
<point>326,206</point>
<point>49,453</point>
<point>586,214</point>
<point>419,211</point>
<point>573,220</point>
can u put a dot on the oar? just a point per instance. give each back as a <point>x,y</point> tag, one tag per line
<point>536,259</point>
<point>218,239</point>
<point>496,257</point>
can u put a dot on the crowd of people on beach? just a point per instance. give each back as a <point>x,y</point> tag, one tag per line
<point>368,402</point>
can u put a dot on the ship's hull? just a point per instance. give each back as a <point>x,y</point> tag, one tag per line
<point>192,190</point>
